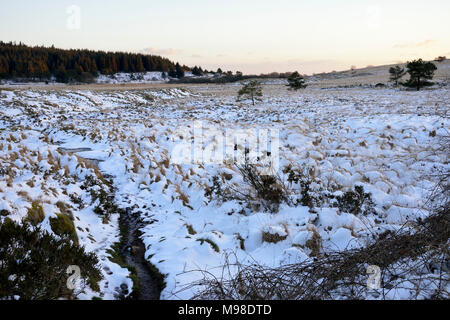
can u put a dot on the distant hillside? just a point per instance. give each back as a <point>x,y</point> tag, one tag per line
<point>371,75</point>
<point>18,61</point>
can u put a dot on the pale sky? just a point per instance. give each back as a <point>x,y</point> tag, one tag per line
<point>253,36</point>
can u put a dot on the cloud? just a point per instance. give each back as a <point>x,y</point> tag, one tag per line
<point>196,56</point>
<point>162,52</point>
<point>425,43</point>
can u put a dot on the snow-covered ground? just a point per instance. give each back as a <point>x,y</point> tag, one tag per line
<point>141,77</point>
<point>150,77</point>
<point>382,139</point>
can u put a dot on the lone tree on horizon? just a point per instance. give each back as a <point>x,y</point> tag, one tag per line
<point>420,71</point>
<point>251,90</point>
<point>296,81</point>
<point>397,73</point>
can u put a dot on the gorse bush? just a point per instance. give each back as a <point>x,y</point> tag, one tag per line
<point>33,264</point>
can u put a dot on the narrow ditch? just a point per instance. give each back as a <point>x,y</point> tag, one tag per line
<point>150,281</point>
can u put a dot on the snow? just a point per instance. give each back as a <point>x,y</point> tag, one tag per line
<point>379,139</point>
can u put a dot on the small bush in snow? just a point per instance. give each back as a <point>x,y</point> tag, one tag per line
<point>269,190</point>
<point>356,202</point>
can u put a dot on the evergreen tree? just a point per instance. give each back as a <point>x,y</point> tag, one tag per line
<point>197,71</point>
<point>219,71</point>
<point>397,73</point>
<point>20,61</point>
<point>4,68</point>
<point>420,71</point>
<point>179,70</point>
<point>172,73</point>
<point>251,90</point>
<point>296,81</point>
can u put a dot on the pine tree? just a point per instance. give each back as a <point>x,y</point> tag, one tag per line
<point>179,70</point>
<point>140,65</point>
<point>4,68</point>
<point>197,71</point>
<point>296,81</point>
<point>252,90</point>
<point>420,71</point>
<point>172,73</point>
<point>397,73</point>
<point>21,61</point>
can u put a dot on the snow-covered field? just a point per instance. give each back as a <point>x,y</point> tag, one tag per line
<point>382,139</point>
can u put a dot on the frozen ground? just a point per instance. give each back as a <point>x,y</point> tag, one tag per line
<point>382,139</point>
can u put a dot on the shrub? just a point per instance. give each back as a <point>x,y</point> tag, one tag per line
<point>356,202</point>
<point>309,197</point>
<point>33,264</point>
<point>103,192</point>
<point>270,190</point>
<point>215,189</point>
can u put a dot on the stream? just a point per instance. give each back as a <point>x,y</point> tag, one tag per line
<point>133,249</point>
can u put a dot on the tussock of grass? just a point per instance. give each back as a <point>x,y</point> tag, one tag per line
<point>190,229</point>
<point>64,227</point>
<point>210,242</point>
<point>35,214</point>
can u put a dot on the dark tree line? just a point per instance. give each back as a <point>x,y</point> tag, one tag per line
<point>21,61</point>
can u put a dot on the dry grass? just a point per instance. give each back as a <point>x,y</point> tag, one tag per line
<point>400,255</point>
